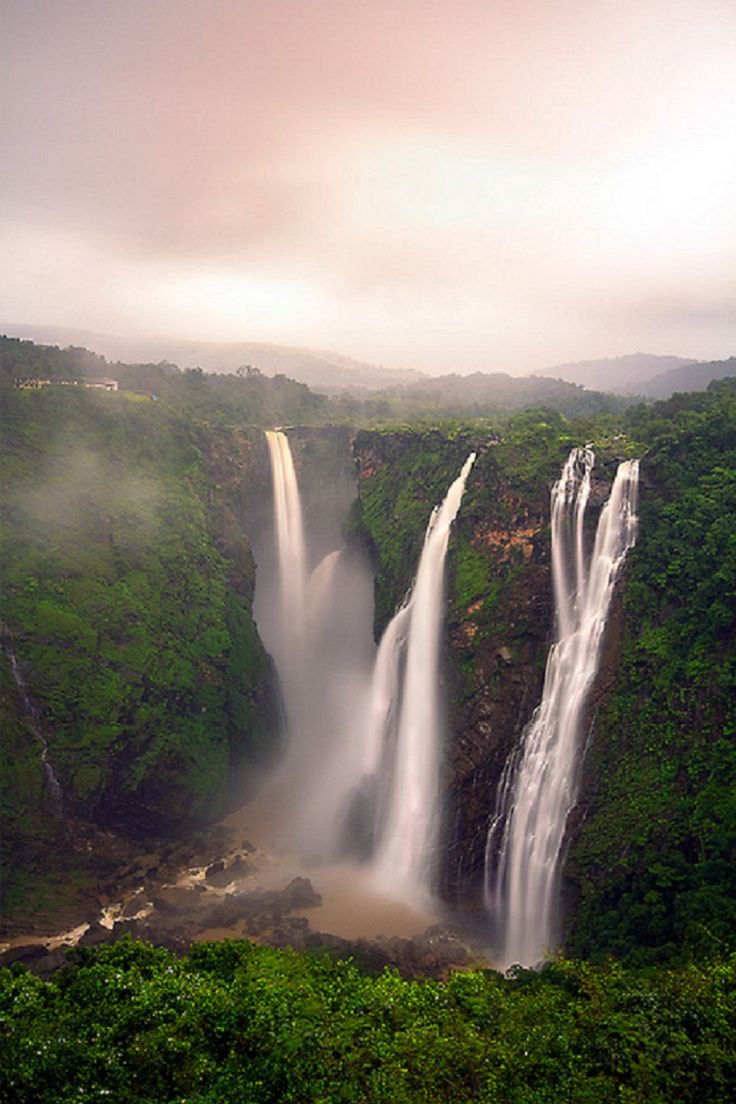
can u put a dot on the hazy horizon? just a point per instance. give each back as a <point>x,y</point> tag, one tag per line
<point>116,347</point>
<point>499,186</point>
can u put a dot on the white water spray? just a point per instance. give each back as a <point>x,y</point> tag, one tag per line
<point>405,859</point>
<point>539,785</point>
<point>289,541</point>
<point>385,690</point>
<point>316,624</point>
<point>320,590</point>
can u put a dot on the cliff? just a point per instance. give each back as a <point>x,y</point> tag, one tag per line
<point>128,610</point>
<point>651,866</point>
<point>500,612</point>
<point>127,605</point>
<point>651,843</point>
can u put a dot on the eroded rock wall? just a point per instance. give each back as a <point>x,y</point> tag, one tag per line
<point>500,612</point>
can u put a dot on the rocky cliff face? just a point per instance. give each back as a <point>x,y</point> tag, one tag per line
<point>652,858</point>
<point>497,645</point>
<point>649,866</point>
<point>128,608</point>
<point>500,617</point>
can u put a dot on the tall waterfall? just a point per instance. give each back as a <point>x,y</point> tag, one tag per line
<point>289,537</point>
<point>385,689</point>
<point>315,621</point>
<point>404,861</point>
<point>539,784</point>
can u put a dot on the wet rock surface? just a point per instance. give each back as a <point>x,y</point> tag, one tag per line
<point>221,898</point>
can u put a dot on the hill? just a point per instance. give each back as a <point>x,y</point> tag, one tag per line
<point>687,377</point>
<point>619,374</point>
<point>485,393</point>
<point>247,396</point>
<point>319,369</point>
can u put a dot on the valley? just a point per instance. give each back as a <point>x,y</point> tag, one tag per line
<point>262,685</point>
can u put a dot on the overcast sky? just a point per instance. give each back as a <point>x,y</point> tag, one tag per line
<point>443,184</point>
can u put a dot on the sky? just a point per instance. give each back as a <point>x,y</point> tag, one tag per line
<point>449,185</point>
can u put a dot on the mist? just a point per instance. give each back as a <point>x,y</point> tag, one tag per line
<point>314,610</point>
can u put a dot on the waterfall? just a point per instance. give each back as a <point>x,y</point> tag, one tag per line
<point>320,589</point>
<point>289,540</point>
<point>385,689</point>
<point>405,856</point>
<point>315,621</point>
<point>30,712</point>
<point>538,787</point>
<point>363,755</point>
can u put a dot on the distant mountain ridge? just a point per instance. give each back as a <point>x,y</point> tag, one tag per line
<point>645,374</point>
<point>688,377</point>
<point>319,369</point>
<point>622,375</point>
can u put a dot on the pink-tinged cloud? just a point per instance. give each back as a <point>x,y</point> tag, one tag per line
<point>481,184</point>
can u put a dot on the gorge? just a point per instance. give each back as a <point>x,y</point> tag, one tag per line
<point>169,631</point>
<point>364,739</point>
<point>215,909</point>
<point>388,757</point>
<point>538,787</point>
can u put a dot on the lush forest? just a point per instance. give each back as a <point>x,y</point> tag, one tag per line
<point>651,871</point>
<point>128,580</point>
<point>248,396</point>
<point>127,606</point>
<point>232,1022</point>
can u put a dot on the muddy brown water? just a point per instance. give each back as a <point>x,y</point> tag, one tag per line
<point>353,906</point>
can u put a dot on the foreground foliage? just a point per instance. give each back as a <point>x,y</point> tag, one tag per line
<point>233,1022</point>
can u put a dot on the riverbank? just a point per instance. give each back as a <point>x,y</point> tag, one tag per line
<point>238,882</point>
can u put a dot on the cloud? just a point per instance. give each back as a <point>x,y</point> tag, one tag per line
<point>320,171</point>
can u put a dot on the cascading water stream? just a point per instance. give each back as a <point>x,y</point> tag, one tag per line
<point>31,714</point>
<point>316,624</point>
<point>539,785</point>
<point>404,859</point>
<point>385,689</point>
<point>290,545</point>
<point>320,588</point>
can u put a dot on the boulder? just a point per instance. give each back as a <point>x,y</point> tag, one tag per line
<point>25,953</point>
<point>300,893</point>
<point>177,898</point>
<point>94,935</point>
<point>291,932</point>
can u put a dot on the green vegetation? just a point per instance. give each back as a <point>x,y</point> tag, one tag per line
<point>232,1022</point>
<point>479,394</point>
<point>654,862</point>
<point>243,397</point>
<point>127,587</point>
<point>407,472</point>
<point>408,477</point>
<point>246,396</point>
<point>132,630</point>
<point>652,868</point>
